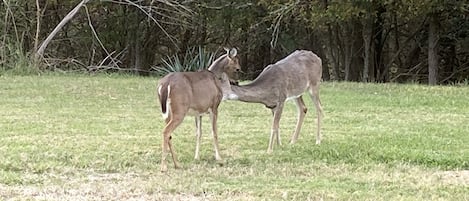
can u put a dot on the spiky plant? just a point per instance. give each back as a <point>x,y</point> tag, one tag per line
<point>194,59</point>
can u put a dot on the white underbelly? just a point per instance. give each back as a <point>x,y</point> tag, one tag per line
<point>293,97</point>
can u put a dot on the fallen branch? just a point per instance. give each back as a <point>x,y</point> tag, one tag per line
<point>456,72</point>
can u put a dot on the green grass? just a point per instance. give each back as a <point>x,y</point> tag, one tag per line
<point>69,137</point>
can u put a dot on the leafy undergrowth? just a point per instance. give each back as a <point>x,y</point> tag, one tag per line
<point>99,138</point>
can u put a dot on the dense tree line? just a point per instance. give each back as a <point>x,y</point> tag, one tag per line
<point>358,40</point>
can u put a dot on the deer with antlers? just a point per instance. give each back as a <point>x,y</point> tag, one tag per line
<point>287,79</point>
<point>195,93</point>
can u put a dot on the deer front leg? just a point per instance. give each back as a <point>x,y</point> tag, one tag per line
<point>198,134</point>
<point>301,109</point>
<point>213,118</point>
<point>277,113</point>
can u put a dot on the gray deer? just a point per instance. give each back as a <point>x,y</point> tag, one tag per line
<point>287,79</point>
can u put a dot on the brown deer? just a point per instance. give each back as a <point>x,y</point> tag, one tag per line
<point>287,79</point>
<point>194,93</point>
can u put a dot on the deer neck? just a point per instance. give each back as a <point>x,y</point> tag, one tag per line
<point>217,66</point>
<point>252,93</point>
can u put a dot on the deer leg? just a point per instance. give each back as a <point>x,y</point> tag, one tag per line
<point>164,166</point>
<point>198,134</point>
<point>213,118</point>
<point>301,107</point>
<point>314,92</point>
<point>167,131</point>
<point>277,113</point>
<point>173,155</point>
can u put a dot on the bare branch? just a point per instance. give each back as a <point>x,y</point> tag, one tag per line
<point>463,68</point>
<point>97,38</point>
<point>179,9</point>
<point>279,14</point>
<point>65,20</point>
<point>7,7</point>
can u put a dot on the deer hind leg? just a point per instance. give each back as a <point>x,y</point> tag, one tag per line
<point>173,155</point>
<point>167,146</point>
<point>213,118</point>
<point>277,113</point>
<point>314,92</point>
<point>198,134</point>
<point>301,107</point>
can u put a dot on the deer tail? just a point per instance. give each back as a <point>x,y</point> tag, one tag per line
<point>163,94</point>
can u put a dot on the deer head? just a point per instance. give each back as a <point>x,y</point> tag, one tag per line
<point>228,64</point>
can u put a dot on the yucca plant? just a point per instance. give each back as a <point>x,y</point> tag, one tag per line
<point>194,59</point>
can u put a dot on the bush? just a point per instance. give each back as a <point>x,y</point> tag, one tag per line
<point>14,60</point>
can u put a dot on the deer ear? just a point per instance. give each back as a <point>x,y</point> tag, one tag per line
<point>232,53</point>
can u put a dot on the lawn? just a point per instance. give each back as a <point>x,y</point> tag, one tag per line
<point>78,137</point>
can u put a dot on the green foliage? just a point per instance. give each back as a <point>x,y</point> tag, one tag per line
<point>194,59</point>
<point>15,61</point>
<point>139,34</point>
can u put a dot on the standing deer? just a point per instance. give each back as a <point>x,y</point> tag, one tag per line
<point>194,93</point>
<point>287,79</point>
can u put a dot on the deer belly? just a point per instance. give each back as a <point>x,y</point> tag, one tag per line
<point>193,112</point>
<point>293,97</point>
<point>295,91</point>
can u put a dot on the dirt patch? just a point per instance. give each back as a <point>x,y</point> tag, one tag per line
<point>455,177</point>
<point>95,187</point>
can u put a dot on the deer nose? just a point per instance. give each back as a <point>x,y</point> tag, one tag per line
<point>238,70</point>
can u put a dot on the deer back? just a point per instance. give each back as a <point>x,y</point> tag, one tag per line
<point>197,91</point>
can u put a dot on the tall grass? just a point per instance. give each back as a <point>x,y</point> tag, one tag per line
<point>16,61</point>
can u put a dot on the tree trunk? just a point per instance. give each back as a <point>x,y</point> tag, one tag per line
<point>333,57</point>
<point>433,50</point>
<point>340,54</point>
<point>378,46</point>
<point>326,75</point>
<point>357,51</point>
<point>367,43</point>
<point>38,25</point>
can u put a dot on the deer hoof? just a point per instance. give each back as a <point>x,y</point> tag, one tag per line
<point>164,168</point>
<point>177,166</point>
<point>220,162</point>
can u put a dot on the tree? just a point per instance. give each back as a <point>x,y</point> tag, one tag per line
<point>369,40</point>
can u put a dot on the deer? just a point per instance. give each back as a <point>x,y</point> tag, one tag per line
<point>287,79</point>
<point>195,93</point>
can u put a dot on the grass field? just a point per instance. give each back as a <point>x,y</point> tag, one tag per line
<point>65,137</point>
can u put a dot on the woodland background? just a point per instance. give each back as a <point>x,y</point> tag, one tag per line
<point>423,41</point>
